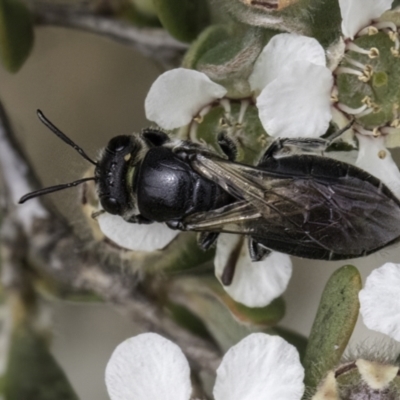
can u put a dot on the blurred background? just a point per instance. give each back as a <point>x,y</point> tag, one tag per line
<point>94,89</point>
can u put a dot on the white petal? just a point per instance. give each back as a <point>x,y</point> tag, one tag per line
<point>357,14</point>
<point>136,237</point>
<point>281,52</point>
<point>255,284</point>
<point>297,103</point>
<point>260,367</point>
<point>148,367</point>
<point>178,95</point>
<point>370,150</point>
<point>380,300</point>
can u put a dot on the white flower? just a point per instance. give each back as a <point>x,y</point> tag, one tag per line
<point>357,14</point>
<point>260,367</point>
<point>374,158</point>
<point>380,300</point>
<point>290,81</point>
<point>148,367</point>
<point>254,284</point>
<point>135,237</point>
<point>178,95</point>
<point>289,77</point>
<point>294,85</point>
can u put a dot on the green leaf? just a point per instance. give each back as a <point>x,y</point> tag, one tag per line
<point>336,317</point>
<point>184,19</point>
<point>32,372</point>
<point>16,34</point>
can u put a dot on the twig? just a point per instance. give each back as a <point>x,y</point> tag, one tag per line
<point>155,43</point>
<point>54,251</point>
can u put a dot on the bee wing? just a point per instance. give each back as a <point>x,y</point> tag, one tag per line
<point>320,218</point>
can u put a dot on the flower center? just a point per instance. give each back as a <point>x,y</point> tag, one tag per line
<point>367,81</point>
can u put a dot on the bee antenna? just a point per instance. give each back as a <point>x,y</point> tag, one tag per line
<point>63,137</point>
<point>53,189</point>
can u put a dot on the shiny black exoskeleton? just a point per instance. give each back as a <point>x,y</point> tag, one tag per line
<point>168,189</point>
<point>111,173</point>
<point>301,204</point>
<point>161,187</point>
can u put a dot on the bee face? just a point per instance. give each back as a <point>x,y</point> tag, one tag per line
<point>111,173</point>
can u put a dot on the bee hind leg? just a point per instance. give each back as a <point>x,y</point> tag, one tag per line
<point>256,250</point>
<point>287,147</point>
<point>205,240</point>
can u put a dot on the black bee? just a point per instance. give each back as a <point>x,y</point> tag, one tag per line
<point>295,200</point>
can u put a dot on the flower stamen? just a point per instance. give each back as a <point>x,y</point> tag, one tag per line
<point>368,101</point>
<point>335,94</point>
<point>226,104</point>
<point>366,74</point>
<point>395,123</point>
<point>224,123</point>
<point>382,154</point>
<point>355,63</point>
<point>388,130</point>
<point>364,113</point>
<point>244,104</point>
<point>193,131</point>
<point>374,133</point>
<point>352,111</point>
<point>373,52</point>
<point>394,36</point>
<point>334,98</point>
<point>385,25</point>
<point>347,70</point>
<point>369,30</point>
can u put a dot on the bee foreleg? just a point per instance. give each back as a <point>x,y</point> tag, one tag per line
<point>257,251</point>
<point>138,219</point>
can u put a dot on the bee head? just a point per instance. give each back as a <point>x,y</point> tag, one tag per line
<point>118,159</point>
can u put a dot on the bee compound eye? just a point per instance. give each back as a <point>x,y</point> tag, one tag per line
<point>111,205</point>
<point>119,143</point>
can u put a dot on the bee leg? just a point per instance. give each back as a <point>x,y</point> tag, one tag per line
<point>95,214</point>
<point>205,240</point>
<point>155,137</point>
<point>288,147</point>
<point>227,145</point>
<point>176,225</point>
<point>338,133</point>
<point>274,148</point>
<point>256,250</point>
<point>138,219</point>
